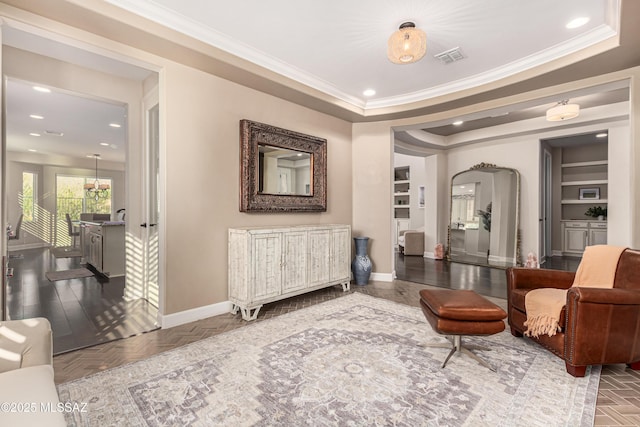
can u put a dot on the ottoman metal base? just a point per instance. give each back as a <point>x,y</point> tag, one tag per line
<point>456,346</point>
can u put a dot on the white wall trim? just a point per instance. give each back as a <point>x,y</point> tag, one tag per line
<point>198,313</point>
<point>382,277</point>
<point>429,255</point>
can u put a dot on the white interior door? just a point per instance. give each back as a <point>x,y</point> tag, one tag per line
<point>151,210</point>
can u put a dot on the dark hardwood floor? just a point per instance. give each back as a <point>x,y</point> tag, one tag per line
<point>486,281</point>
<point>83,312</point>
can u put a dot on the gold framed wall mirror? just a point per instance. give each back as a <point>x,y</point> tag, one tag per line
<point>484,217</point>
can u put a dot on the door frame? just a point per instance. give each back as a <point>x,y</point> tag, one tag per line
<point>546,189</point>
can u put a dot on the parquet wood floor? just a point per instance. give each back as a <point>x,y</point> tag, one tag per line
<point>618,398</point>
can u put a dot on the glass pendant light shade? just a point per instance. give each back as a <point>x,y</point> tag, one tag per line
<point>563,111</point>
<point>407,45</point>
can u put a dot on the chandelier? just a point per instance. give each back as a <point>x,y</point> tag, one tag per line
<point>407,45</point>
<point>563,111</point>
<point>97,190</point>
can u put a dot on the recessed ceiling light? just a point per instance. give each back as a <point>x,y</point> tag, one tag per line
<point>41,89</point>
<point>114,125</point>
<point>32,150</point>
<point>34,134</point>
<point>578,22</point>
<point>601,135</point>
<point>457,122</point>
<point>35,116</point>
<point>369,92</point>
<point>104,144</point>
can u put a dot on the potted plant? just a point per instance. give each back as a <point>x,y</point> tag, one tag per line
<point>596,212</point>
<point>486,217</point>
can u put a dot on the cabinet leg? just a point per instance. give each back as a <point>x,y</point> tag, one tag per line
<point>346,286</point>
<point>246,313</point>
<point>234,309</point>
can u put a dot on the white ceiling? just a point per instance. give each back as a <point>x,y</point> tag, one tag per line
<point>339,47</point>
<point>84,123</point>
<point>336,47</point>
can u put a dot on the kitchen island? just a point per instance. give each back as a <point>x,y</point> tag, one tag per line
<point>103,246</point>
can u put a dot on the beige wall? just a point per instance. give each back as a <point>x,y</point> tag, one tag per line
<point>202,176</point>
<point>372,182</point>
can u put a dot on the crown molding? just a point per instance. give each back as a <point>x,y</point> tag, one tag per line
<point>182,24</point>
<point>598,35</point>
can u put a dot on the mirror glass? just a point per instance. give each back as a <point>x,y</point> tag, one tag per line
<point>484,218</point>
<point>283,171</point>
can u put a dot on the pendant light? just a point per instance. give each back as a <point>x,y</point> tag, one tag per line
<point>97,190</point>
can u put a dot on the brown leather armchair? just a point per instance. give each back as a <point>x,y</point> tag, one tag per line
<point>598,326</point>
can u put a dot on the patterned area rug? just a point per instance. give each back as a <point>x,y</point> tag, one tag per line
<point>356,360</point>
<point>75,273</point>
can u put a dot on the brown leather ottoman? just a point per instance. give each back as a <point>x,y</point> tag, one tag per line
<point>459,312</point>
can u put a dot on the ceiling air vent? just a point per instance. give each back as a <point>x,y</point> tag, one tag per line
<point>449,56</point>
<point>53,132</point>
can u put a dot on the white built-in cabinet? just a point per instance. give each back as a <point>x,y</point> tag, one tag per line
<point>584,184</point>
<point>577,235</point>
<point>270,264</point>
<point>401,187</point>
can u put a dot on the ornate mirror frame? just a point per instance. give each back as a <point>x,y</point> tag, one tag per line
<point>488,167</point>
<point>251,135</point>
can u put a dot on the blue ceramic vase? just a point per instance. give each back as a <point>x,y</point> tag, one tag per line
<point>361,264</point>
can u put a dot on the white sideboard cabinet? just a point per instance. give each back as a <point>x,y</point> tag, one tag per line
<point>270,264</point>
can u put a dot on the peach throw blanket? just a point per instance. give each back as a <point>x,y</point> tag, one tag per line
<point>596,270</point>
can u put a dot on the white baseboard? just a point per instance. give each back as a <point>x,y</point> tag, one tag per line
<point>429,255</point>
<point>556,253</point>
<point>187,316</point>
<point>500,259</point>
<point>382,277</point>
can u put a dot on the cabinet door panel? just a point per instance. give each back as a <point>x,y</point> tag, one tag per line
<point>575,239</point>
<point>598,236</point>
<point>319,256</point>
<point>294,261</point>
<point>340,254</point>
<point>267,272</point>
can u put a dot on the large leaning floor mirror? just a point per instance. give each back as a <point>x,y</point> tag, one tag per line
<point>484,220</point>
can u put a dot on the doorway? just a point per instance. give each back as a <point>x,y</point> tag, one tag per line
<point>98,307</point>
